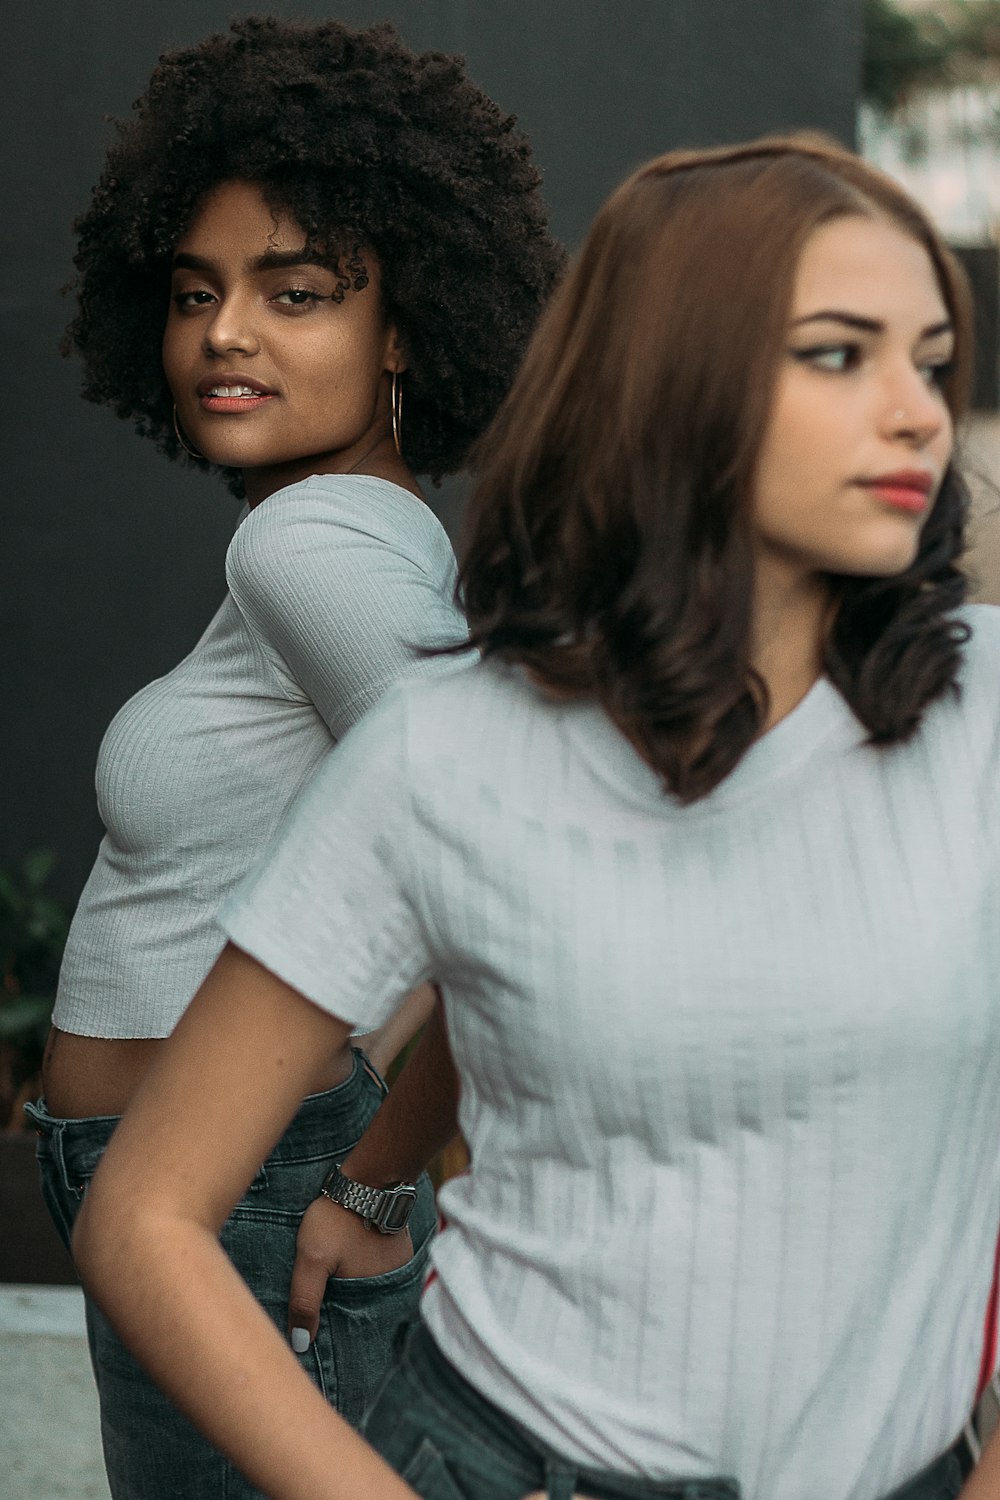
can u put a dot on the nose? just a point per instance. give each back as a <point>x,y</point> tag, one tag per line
<point>231,329</point>
<point>913,410</point>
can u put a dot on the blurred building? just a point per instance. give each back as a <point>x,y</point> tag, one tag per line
<point>944,146</point>
<point>940,137</point>
<point>931,118</point>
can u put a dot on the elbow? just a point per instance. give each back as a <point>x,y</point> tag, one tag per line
<point>110,1241</point>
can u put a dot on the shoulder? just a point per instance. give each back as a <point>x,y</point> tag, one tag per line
<point>474,695</point>
<point>980,671</point>
<point>962,729</point>
<point>336,523</point>
<point>473,720</point>
<point>984,622</point>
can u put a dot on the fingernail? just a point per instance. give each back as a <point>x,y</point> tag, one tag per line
<point>300,1340</point>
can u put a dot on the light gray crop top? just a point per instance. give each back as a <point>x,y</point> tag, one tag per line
<point>331,584</point>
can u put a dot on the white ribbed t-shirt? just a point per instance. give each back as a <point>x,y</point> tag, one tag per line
<point>730,1072</point>
<point>332,582</point>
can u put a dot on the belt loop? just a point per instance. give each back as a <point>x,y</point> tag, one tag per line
<point>52,1131</point>
<point>259,1183</point>
<point>59,1153</point>
<point>560,1480</point>
<point>371,1070</point>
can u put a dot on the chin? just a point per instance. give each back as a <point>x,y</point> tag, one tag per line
<point>884,564</point>
<point>885,551</point>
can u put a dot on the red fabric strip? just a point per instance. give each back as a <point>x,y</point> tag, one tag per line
<point>989,1361</point>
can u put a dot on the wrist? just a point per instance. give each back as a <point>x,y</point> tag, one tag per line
<point>386,1209</point>
<point>371,1174</point>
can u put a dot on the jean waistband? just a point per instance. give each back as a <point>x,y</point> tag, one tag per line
<point>523,1451</point>
<point>319,1119</point>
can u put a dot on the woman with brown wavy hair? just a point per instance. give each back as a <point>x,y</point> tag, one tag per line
<point>704,852</point>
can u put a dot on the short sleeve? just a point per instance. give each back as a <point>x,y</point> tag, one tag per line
<point>344,580</point>
<point>332,910</point>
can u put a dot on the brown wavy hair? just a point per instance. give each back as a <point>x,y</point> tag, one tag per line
<point>610,549</point>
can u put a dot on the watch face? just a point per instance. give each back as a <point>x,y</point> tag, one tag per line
<point>398,1212</point>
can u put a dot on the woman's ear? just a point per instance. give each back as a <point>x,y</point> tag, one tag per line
<point>395,356</point>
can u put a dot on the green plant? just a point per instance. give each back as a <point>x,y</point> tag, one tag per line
<point>907,51</point>
<point>33,927</point>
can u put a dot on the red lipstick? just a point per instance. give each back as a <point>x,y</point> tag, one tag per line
<point>904,489</point>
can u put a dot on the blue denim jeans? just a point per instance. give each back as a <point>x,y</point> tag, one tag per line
<point>449,1443</point>
<point>150,1450</point>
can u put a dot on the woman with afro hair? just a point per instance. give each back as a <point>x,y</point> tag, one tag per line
<point>311,264</point>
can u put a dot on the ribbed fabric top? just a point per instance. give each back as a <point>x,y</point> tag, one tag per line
<point>730,1072</point>
<point>332,582</point>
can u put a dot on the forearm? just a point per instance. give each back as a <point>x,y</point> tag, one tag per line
<point>419,1117</point>
<point>180,1306</point>
<point>383,1046</point>
<point>984,1481</point>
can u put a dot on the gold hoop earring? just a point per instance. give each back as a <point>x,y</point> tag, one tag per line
<point>396,402</point>
<point>181,439</point>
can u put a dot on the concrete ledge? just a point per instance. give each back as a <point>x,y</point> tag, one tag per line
<point>53,1310</point>
<point>50,1445</point>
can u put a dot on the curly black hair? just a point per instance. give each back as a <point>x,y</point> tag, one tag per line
<point>365,144</point>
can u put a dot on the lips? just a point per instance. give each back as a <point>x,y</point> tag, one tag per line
<point>232,393</point>
<point>904,489</point>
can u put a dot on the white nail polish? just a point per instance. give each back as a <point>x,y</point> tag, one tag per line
<point>300,1340</point>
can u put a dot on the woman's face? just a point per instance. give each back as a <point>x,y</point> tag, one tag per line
<point>859,434</point>
<point>270,374</point>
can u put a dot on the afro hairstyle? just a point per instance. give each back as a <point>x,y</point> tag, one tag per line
<point>363,143</point>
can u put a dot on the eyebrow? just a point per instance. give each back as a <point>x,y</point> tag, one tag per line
<point>868,325</point>
<point>274,260</point>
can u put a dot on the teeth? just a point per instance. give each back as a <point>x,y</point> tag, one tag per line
<point>233,390</point>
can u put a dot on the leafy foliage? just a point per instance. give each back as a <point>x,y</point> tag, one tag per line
<point>33,927</point>
<point>906,51</point>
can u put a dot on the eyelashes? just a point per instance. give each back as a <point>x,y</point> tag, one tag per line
<point>188,300</point>
<point>836,359</point>
<point>845,357</point>
<point>292,299</point>
<point>306,294</point>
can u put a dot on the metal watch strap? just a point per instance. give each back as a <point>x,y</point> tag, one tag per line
<point>385,1209</point>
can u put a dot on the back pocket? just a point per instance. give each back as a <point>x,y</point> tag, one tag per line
<point>429,1475</point>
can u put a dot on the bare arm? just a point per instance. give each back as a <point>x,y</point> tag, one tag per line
<point>384,1045</point>
<point>146,1239</point>
<point>419,1117</point>
<point>984,1481</point>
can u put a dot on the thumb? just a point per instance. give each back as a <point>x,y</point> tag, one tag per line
<point>309,1278</point>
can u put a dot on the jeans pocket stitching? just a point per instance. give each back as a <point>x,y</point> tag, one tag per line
<point>400,1276</point>
<point>427,1463</point>
<point>464,1430</point>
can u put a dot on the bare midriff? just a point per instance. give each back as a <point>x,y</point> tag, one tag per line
<point>87,1076</point>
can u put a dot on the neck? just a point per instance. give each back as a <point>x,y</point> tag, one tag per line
<point>377,458</point>
<point>789,625</point>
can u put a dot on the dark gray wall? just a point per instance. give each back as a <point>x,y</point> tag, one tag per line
<point>112,558</point>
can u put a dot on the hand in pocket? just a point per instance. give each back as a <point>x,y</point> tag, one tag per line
<point>332,1241</point>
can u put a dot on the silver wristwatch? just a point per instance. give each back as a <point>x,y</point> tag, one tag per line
<point>385,1209</point>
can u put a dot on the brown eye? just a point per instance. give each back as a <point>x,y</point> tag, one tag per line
<point>297,296</point>
<point>835,359</point>
<point>936,372</point>
<point>192,299</point>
